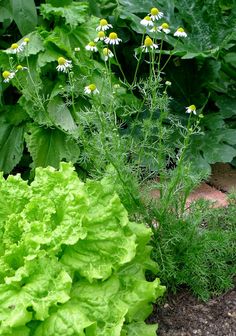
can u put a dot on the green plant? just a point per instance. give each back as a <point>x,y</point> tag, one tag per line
<point>198,250</point>
<point>82,106</point>
<point>200,67</point>
<point>22,12</point>
<point>71,261</point>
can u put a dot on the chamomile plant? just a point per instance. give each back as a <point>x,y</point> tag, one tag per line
<point>108,118</point>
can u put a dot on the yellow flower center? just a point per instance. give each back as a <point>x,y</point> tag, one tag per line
<point>6,74</point>
<point>154,11</point>
<point>14,46</point>
<point>180,30</point>
<point>113,36</point>
<point>26,40</point>
<point>103,22</point>
<point>148,42</point>
<point>92,44</point>
<point>147,18</point>
<point>101,34</point>
<point>61,60</point>
<point>192,107</point>
<point>92,87</point>
<point>19,67</point>
<point>105,51</point>
<point>165,25</point>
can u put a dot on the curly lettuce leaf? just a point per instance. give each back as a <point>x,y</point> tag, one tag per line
<point>42,283</point>
<point>71,262</point>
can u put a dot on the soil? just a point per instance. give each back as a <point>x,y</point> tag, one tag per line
<point>183,314</point>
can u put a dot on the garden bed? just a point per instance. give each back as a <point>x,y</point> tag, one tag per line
<point>184,315</point>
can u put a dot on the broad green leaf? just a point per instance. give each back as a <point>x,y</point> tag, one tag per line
<point>231,58</point>
<point>229,136</point>
<point>11,146</point>
<point>36,112</point>
<point>59,37</point>
<point>102,8</point>
<point>49,146</point>
<point>59,3</point>
<point>138,6</point>
<point>214,121</point>
<point>73,14</point>
<point>15,114</point>
<point>61,115</point>
<point>219,153</point>
<point>49,55</point>
<point>5,11</point>
<point>25,15</point>
<point>35,44</point>
<point>227,105</point>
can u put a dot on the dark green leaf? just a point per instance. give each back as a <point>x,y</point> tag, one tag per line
<point>219,153</point>
<point>227,106</point>
<point>35,44</point>
<point>138,6</point>
<point>231,58</point>
<point>15,114</point>
<point>49,146</point>
<point>11,146</point>
<point>73,14</point>
<point>60,114</point>
<point>5,11</point>
<point>25,15</point>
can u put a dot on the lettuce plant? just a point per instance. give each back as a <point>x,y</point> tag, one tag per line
<point>71,262</point>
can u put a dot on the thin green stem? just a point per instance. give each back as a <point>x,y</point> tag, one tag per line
<point>159,59</point>
<point>170,55</point>
<point>177,177</point>
<point>114,51</point>
<point>71,82</point>
<point>139,60</point>
<point>38,98</point>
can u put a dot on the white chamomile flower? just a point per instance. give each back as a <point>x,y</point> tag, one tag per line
<point>180,32</point>
<point>91,46</point>
<point>103,25</point>
<point>21,68</point>
<point>164,27</point>
<point>155,14</point>
<point>91,89</point>
<point>63,64</point>
<point>107,54</point>
<point>25,41</point>
<point>112,39</point>
<point>7,75</point>
<point>191,109</point>
<point>147,22</point>
<point>15,48</point>
<point>77,49</point>
<point>149,45</point>
<point>100,36</point>
<point>155,29</point>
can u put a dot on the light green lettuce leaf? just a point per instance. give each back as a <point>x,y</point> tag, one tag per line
<point>139,329</point>
<point>71,262</point>
<point>41,284</point>
<point>109,242</point>
<point>68,320</point>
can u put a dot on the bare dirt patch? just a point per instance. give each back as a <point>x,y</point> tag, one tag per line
<point>184,315</point>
